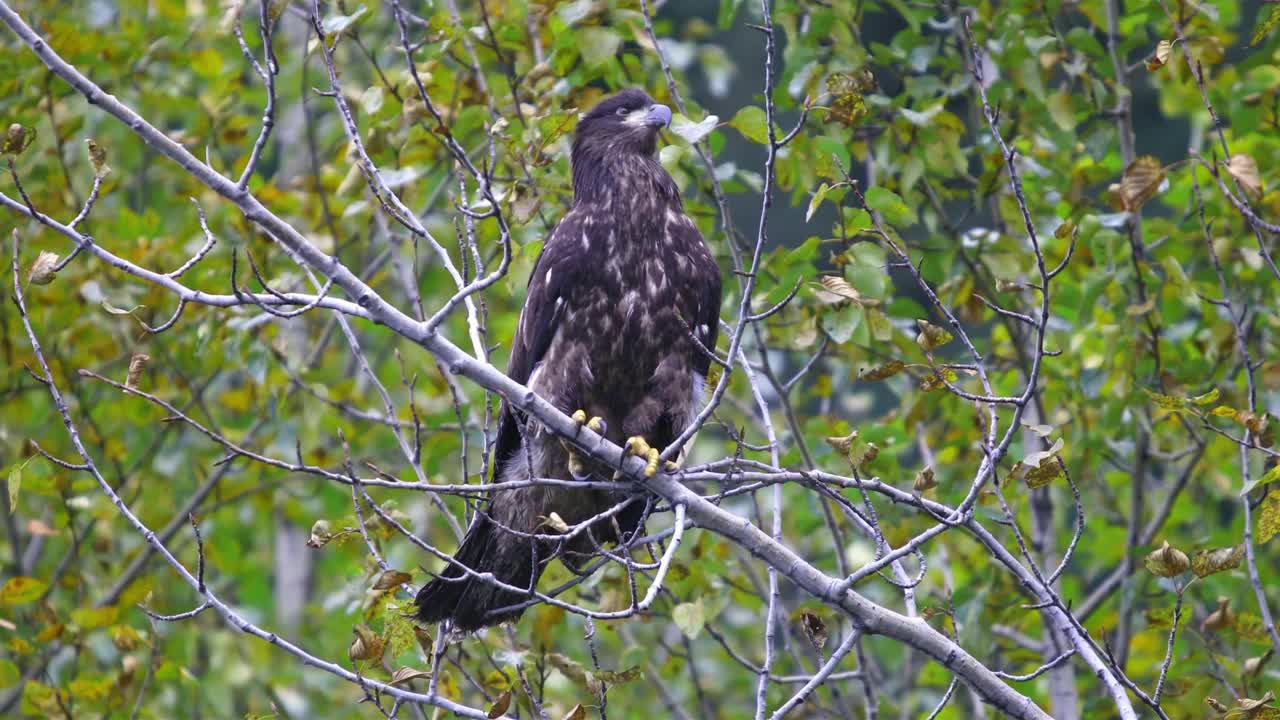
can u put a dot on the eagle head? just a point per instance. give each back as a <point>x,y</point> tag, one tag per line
<point>626,123</point>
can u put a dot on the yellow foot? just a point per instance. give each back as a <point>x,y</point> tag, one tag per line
<point>577,466</point>
<point>638,446</point>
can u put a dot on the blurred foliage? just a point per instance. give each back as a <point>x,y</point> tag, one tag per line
<point>1138,401</point>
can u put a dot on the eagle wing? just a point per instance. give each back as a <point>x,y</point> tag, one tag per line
<point>708,292</point>
<point>557,268</point>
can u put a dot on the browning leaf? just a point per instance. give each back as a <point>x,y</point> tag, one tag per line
<point>842,444</point>
<point>43,270</point>
<point>931,336</point>
<point>931,382</point>
<point>1045,473</point>
<point>1220,618</point>
<point>366,645</point>
<point>837,290</point>
<point>425,641</point>
<point>1161,57</point>
<point>137,364</point>
<point>1245,171</point>
<point>882,372</point>
<point>1208,562</point>
<point>98,158</point>
<point>500,705</point>
<point>1167,561</point>
<point>1253,665</point>
<point>391,579</point>
<point>320,534</point>
<point>1140,182</point>
<point>18,138</point>
<point>925,481</point>
<point>814,629</point>
<point>407,674</point>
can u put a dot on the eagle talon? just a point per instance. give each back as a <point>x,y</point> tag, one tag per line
<point>638,446</point>
<point>577,465</point>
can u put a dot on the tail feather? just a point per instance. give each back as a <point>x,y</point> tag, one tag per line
<point>467,601</point>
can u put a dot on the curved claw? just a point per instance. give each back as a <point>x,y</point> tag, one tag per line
<point>577,466</point>
<point>638,446</point>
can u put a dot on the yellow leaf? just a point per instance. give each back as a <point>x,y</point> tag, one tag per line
<point>1269,517</point>
<point>20,590</point>
<point>90,618</point>
<point>931,382</point>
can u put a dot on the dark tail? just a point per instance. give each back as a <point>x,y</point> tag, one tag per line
<point>469,602</point>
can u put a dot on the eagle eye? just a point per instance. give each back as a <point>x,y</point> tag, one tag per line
<point>621,111</point>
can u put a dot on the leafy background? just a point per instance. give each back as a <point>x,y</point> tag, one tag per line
<point>1134,334</point>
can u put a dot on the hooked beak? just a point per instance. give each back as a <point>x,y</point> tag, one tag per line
<point>658,116</point>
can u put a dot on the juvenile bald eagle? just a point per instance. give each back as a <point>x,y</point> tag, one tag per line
<point>623,284</point>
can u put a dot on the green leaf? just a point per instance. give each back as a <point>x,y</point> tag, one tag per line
<point>1061,110</point>
<point>618,677</point>
<point>1266,478</point>
<point>856,220</point>
<point>690,131</point>
<point>598,45</point>
<point>14,483</point>
<point>337,23</point>
<point>887,203</point>
<point>690,618</point>
<point>840,323</point>
<point>371,99</point>
<point>19,590</point>
<point>1265,27</point>
<point>751,122</point>
<point>1208,398</point>
<point>816,200</point>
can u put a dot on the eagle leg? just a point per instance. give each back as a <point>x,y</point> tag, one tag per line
<point>638,446</point>
<point>577,466</point>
